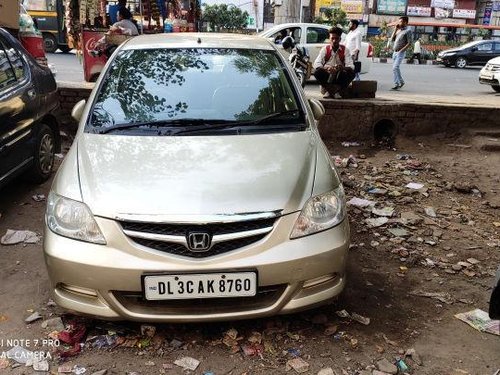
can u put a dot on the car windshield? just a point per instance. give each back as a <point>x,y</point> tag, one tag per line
<point>146,89</point>
<point>470,44</point>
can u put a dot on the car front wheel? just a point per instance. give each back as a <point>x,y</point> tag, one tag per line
<point>461,63</point>
<point>496,88</point>
<point>44,155</point>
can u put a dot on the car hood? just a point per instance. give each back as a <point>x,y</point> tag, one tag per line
<point>130,176</point>
<point>495,60</point>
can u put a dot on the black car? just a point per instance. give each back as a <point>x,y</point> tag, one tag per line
<point>29,131</point>
<point>473,53</point>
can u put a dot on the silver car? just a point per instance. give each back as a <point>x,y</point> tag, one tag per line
<point>197,188</point>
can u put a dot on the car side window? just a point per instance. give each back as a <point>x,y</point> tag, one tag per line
<point>16,61</point>
<point>485,47</point>
<point>497,46</point>
<point>317,35</point>
<point>7,75</point>
<point>296,33</point>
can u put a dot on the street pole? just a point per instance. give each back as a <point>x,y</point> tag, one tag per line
<point>256,12</point>
<point>301,11</point>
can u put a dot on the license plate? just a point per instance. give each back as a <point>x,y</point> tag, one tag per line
<point>212,285</point>
<point>487,76</point>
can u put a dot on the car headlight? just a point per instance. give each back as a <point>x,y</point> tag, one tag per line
<point>73,219</point>
<point>320,212</point>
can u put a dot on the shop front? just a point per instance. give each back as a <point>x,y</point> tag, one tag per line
<point>87,21</point>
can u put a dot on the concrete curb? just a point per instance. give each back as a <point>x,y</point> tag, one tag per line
<point>387,60</point>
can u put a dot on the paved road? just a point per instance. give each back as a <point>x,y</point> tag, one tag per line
<point>432,83</point>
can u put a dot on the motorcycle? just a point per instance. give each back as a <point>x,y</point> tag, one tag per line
<point>299,59</point>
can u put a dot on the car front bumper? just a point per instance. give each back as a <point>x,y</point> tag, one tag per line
<point>446,60</point>
<point>105,280</point>
<point>489,78</point>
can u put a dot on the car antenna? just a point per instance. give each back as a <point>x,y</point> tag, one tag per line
<point>199,41</point>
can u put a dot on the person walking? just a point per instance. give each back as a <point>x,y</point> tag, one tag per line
<point>402,40</point>
<point>353,44</point>
<point>417,51</point>
<point>334,68</point>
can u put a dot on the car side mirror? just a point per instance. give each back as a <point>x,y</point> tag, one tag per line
<point>317,108</point>
<point>77,111</point>
<point>474,49</point>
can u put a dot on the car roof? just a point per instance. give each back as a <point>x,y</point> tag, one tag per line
<point>198,40</point>
<point>298,24</point>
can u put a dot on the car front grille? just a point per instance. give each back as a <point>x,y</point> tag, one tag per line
<point>183,229</point>
<point>180,249</point>
<point>172,238</point>
<point>136,303</point>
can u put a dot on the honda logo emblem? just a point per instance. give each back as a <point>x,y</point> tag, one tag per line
<point>199,241</point>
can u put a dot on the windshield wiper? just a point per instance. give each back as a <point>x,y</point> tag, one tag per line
<point>274,116</point>
<point>235,124</point>
<point>158,124</point>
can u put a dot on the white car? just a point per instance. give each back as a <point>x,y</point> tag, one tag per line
<point>490,74</point>
<point>314,36</point>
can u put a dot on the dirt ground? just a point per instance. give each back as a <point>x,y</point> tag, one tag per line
<point>386,274</point>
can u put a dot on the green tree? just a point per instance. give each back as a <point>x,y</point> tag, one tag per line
<point>222,17</point>
<point>332,16</point>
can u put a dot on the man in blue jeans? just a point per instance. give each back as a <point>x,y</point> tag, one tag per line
<point>402,40</point>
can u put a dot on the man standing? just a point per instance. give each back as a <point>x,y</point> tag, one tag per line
<point>417,51</point>
<point>402,40</point>
<point>334,68</point>
<point>353,44</point>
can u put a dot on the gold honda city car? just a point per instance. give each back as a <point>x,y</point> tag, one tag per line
<point>197,188</point>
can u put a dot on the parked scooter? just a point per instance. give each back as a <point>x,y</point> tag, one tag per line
<point>299,59</point>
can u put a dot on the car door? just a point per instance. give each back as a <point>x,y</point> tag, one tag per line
<point>18,106</point>
<point>481,53</point>
<point>314,38</point>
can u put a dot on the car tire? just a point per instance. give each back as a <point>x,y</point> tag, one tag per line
<point>461,63</point>
<point>496,88</point>
<point>43,155</point>
<point>49,43</point>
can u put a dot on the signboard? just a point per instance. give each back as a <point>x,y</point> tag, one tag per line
<point>487,13</point>
<point>464,13</point>
<point>445,4</point>
<point>352,6</point>
<point>322,4</point>
<point>395,7</point>
<point>496,6</point>
<point>418,11</point>
<point>442,13</point>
